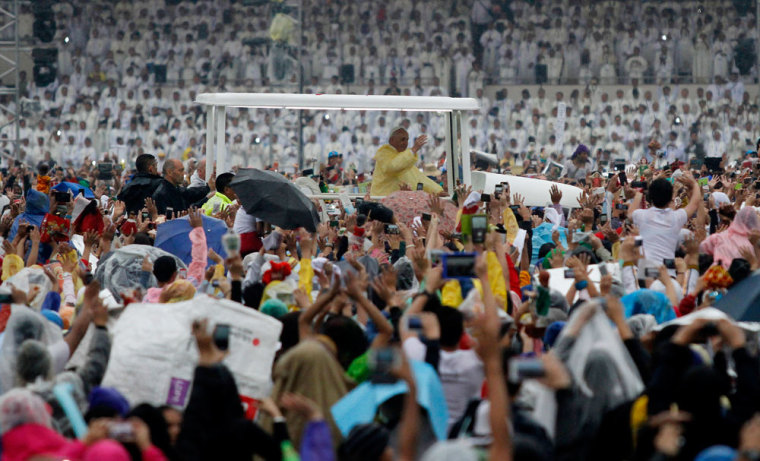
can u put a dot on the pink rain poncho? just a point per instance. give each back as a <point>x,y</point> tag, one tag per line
<point>726,245</point>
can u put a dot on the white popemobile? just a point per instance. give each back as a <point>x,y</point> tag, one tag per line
<point>535,191</point>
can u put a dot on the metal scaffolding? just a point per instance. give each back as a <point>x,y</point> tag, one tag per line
<point>10,55</point>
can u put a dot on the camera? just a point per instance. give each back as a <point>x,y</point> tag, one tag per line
<point>479,228</point>
<point>221,336</point>
<point>391,229</point>
<point>62,197</point>
<point>380,363</point>
<point>413,323</point>
<point>521,369</point>
<point>458,265</point>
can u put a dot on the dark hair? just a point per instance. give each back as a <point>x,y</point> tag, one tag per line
<point>365,442</point>
<point>660,192</point>
<point>545,249</point>
<point>164,268</point>
<point>43,169</point>
<point>252,294</point>
<point>739,269</point>
<point>143,162</point>
<point>223,181</point>
<point>142,238</point>
<point>452,326</point>
<point>159,431</point>
<point>347,336</point>
<point>289,333</point>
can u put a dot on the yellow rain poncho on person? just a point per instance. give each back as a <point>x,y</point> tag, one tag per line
<point>395,164</point>
<point>451,292</point>
<point>12,264</point>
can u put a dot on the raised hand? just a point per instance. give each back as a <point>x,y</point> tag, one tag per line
<point>556,194</point>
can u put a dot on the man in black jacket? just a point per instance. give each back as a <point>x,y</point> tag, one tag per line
<point>170,193</point>
<point>143,184</point>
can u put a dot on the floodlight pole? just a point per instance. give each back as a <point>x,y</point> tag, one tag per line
<point>300,84</point>
<point>10,55</point>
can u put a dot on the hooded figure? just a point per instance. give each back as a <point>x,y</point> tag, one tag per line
<point>34,369</point>
<point>726,246</point>
<point>37,205</point>
<point>25,324</point>
<point>645,301</point>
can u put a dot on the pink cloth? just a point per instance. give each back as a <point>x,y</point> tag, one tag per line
<point>153,294</point>
<point>196,273</point>
<point>28,440</point>
<point>725,246</point>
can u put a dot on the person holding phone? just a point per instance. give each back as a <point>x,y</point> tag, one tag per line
<point>396,163</point>
<point>660,226</point>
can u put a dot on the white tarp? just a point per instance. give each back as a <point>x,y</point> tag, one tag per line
<point>154,354</point>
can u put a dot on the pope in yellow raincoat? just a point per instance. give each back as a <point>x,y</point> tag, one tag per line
<point>396,164</point>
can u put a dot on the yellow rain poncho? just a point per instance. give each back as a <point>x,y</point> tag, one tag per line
<point>393,167</point>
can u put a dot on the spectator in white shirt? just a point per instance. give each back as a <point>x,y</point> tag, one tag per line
<point>660,226</point>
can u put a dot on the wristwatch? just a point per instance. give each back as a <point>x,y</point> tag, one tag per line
<point>749,455</point>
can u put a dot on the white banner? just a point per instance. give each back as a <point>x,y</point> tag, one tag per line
<point>154,354</point>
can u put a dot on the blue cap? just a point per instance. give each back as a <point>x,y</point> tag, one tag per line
<point>110,398</point>
<point>716,453</point>
<point>53,317</point>
<point>333,154</point>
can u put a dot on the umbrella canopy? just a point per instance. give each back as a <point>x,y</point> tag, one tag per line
<point>119,271</point>
<point>407,204</point>
<point>742,301</point>
<point>74,188</point>
<point>174,237</point>
<point>272,198</point>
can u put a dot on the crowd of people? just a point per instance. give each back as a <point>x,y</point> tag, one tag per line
<point>107,97</point>
<point>513,332</point>
<point>418,326</point>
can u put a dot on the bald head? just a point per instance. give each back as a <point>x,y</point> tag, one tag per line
<point>174,171</point>
<point>201,167</point>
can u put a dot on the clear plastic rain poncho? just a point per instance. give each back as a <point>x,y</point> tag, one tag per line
<point>119,271</point>
<point>26,324</point>
<point>26,280</point>
<point>597,343</point>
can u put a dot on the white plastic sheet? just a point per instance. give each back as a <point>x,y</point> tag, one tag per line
<point>120,270</point>
<point>597,335</point>
<point>25,280</point>
<point>154,354</point>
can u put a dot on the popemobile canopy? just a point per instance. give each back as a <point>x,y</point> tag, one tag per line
<point>453,110</point>
<point>337,102</point>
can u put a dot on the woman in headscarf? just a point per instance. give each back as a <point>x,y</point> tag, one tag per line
<point>727,245</point>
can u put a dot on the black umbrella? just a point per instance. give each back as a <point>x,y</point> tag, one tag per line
<point>272,198</point>
<point>742,301</point>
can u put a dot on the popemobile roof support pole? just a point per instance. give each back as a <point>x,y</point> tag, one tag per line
<point>221,140</point>
<point>210,129</point>
<point>464,148</point>
<point>450,163</point>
